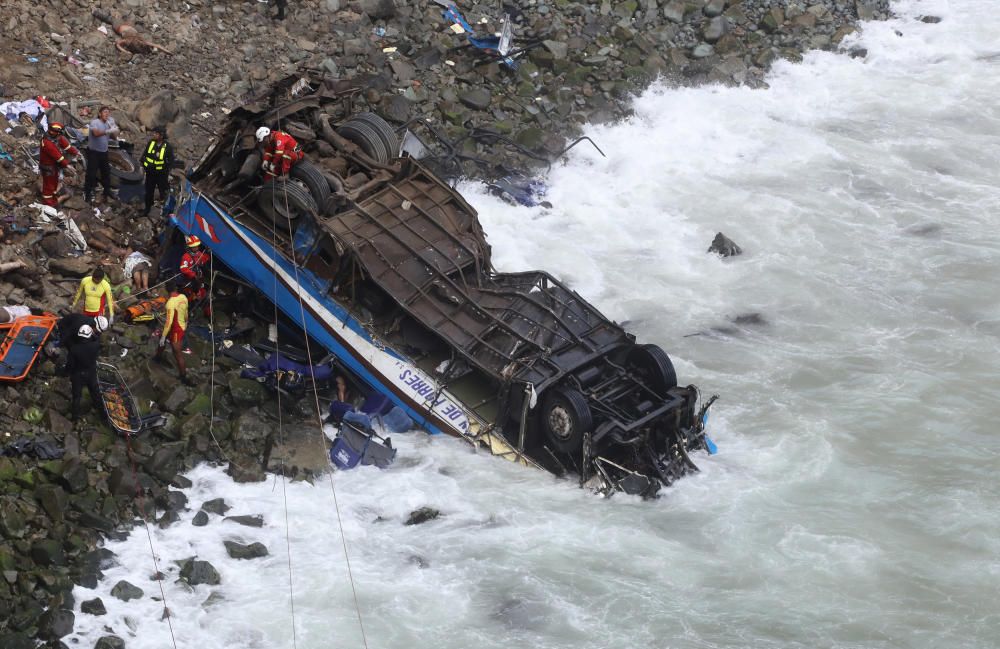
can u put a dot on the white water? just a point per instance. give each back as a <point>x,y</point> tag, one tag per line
<point>854,502</point>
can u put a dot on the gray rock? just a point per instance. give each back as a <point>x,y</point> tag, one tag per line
<point>422,515</point>
<point>48,552</point>
<point>674,12</point>
<point>249,521</point>
<point>200,519</point>
<point>71,266</point>
<point>240,551</point>
<point>197,572</point>
<point>55,623</point>
<point>246,392</point>
<point>53,500</point>
<point>16,641</point>
<point>157,109</point>
<point>110,642</point>
<point>126,591</point>
<point>702,51</point>
<point>714,8</point>
<point>93,607</point>
<point>216,506</point>
<point>715,29</point>
<point>724,246</point>
<point>403,71</point>
<point>476,99</point>
<point>558,49</point>
<point>178,397</point>
<point>332,6</point>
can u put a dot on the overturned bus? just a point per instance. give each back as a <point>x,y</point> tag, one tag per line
<point>387,267</point>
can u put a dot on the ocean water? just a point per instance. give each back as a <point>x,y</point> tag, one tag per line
<point>854,503</point>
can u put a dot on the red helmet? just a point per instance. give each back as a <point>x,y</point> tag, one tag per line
<point>192,241</point>
<point>56,128</point>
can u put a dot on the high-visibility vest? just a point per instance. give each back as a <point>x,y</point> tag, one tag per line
<point>153,160</point>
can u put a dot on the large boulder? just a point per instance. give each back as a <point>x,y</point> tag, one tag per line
<point>157,110</point>
<point>197,572</point>
<point>240,551</point>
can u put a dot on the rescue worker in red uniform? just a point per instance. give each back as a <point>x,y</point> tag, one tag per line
<point>281,152</point>
<point>192,269</point>
<point>54,155</point>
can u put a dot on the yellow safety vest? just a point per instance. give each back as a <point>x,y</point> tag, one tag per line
<point>154,161</point>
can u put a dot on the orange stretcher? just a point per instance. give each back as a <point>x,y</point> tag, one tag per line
<point>146,310</point>
<point>20,343</point>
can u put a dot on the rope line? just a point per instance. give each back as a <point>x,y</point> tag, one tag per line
<point>281,459</point>
<point>149,537</point>
<point>319,415</point>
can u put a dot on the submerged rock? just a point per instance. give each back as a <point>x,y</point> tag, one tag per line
<point>422,515</point>
<point>724,246</point>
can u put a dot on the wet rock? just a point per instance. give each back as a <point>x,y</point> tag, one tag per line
<point>249,521</point>
<point>48,552</point>
<point>200,519</point>
<point>724,246</point>
<point>169,518</point>
<point>125,591</point>
<point>93,607</point>
<point>418,561</point>
<point>95,521</point>
<point>240,551</point>
<point>55,623</point>
<point>930,19</point>
<point>110,642</point>
<point>122,482</point>
<point>197,572</point>
<point>216,506</point>
<point>422,515</point>
<point>16,641</point>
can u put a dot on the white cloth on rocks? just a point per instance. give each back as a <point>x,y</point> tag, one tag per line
<point>133,260</point>
<point>15,311</point>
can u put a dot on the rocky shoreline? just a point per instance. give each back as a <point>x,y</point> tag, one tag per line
<point>582,63</point>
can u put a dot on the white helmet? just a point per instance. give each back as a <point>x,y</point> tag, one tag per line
<point>262,133</point>
<point>85,331</point>
<point>100,323</point>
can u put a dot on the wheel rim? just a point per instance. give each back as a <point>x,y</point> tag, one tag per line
<point>560,422</point>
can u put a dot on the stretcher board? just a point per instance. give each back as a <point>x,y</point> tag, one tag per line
<point>119,404</point>
<point>21,342</point>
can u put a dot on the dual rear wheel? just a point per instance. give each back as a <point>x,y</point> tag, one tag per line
<point>566,415</point>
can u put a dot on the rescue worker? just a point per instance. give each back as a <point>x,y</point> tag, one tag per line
<point>157,161</point>
<point>281,153</point>
<point>192,269</point>
<point>82,365</point>
<point>96,292</point>
<point>69,327</point>
<point>55,155</point>
<point>174,329</point>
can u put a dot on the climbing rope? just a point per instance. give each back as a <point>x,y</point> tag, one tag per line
<point>319,416</point>
<point>157,575</point>
<point>284,488</point>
